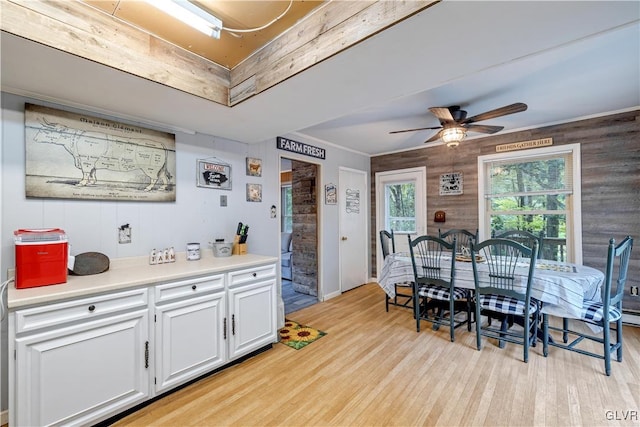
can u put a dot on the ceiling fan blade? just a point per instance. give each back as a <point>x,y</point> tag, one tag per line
<point>443,114</point>
<point>417,129</point>
<point>484,128</point>
<point>434,137</point>
<point>498,112</point>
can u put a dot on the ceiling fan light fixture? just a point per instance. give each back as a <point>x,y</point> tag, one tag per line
<point>453,135</point>
<point>191,15</point>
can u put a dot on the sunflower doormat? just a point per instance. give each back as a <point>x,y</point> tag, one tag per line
<point>298,336</point>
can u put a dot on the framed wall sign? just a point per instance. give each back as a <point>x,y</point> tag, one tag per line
<point>330,194</point>
<point>254,192</point>
<point>213,174</point>
<point>300,148</point>
<point>254,166</point>
<point>451,184</point>
<point>79,156</point>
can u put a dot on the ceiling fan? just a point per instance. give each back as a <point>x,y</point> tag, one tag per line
<point>454,123</point>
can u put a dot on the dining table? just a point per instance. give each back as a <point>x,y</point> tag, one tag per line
<point>562,287</point>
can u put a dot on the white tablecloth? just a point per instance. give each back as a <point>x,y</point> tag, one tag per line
<point>561,286</point>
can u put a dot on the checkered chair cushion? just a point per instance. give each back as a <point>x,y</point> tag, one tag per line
<point>506,305</point>
<point>441,293</point>
<point>593,311</point>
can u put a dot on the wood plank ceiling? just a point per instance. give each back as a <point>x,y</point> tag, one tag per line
<point>134,37</point>
<point>231,48</point>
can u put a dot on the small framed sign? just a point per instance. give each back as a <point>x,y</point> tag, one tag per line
<point>213,174</point>
<point>330,194</point>
<point>254,166</point>
<point>451,184</point>
<point>254,192</point>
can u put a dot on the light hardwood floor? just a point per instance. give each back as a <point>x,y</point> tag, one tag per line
<point>374,369</point>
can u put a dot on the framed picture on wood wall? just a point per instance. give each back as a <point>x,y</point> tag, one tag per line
<point>451,184</point>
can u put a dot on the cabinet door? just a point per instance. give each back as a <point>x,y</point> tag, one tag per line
<point>82,373</point>
<point>252,317</point>
<point>189,339</point>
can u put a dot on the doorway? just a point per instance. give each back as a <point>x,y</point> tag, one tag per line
<point>401,207</point>
<point>354,220</point>
<point>299,226</point>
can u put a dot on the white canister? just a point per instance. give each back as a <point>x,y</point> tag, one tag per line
<point>193,251</point>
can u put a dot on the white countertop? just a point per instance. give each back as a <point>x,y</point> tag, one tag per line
<point>126,273</point>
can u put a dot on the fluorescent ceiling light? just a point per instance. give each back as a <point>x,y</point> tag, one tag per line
<point>191,15</point>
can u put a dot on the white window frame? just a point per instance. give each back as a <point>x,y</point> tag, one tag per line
<point>417,175</point>
<point>574,200</point>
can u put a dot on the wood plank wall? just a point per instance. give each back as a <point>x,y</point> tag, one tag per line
<point>610,149</point>
<point>304,259</point>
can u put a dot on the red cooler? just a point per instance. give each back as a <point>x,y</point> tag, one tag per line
<point>41,257</point>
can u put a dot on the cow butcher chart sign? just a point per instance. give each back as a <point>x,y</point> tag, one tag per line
<point>76,156</point>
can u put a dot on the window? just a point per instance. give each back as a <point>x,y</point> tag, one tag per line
<point>534,190</point>
<point>400,207</point>
<point>286,208</point>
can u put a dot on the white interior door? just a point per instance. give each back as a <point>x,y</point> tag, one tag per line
<point>354,218</point>
<point>411,217</point>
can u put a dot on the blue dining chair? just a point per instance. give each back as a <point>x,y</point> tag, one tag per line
<point>600,313</point>
<point>435,293</point>
<point>500,289</point>
<point>522,236</point>
<point>464,237</point>
<point>404,290</point>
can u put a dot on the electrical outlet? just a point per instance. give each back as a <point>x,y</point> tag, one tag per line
<point>634,291</point>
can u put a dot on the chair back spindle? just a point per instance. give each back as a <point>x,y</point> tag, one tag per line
<point>464,238</point>
<point>522,236</point>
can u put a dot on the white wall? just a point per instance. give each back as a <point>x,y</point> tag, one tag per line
<point>195,216</point>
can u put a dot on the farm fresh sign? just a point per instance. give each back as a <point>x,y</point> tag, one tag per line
<point>300,148</point>
<point>77,156</point>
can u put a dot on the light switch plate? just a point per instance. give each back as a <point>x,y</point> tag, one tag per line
<point>124,234</point>
<point>223,200</point>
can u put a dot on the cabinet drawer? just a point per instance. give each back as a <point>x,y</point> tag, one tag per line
<point>57,314</point>
<point>241,277</point>
<point>188,288</point>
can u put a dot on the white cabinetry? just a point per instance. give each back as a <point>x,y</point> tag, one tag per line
<point>252,309</point>
<point>189,330</point>
<point>84,360</point>
<point>79,361</point>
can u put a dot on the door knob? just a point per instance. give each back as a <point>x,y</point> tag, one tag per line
<point>344,237</point>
